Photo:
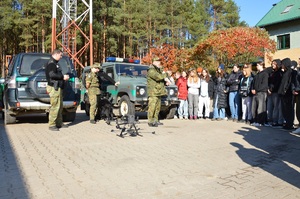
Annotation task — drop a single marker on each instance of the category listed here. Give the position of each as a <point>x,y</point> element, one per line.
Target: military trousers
<point>154,104</point>
<point>56,106</point>
<point>93,105</point>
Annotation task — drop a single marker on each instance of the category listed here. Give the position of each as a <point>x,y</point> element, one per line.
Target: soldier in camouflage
<point>156,80</point>
<point>93,81</point>
<point>55,87</point>
<point>93,86</point>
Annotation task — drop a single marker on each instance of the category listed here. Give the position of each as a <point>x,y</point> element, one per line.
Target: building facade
<point>283,24</point>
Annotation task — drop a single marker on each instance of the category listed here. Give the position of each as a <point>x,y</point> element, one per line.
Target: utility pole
<point>70,26</point>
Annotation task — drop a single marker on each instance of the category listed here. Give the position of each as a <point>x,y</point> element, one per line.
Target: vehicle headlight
<point>142,91</point>
<point>171,92</point>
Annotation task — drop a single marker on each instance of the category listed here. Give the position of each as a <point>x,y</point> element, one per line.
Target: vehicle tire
<point>8,118</point>
<point>69,116</point>
<point>126,106</point>
<point>169,113</point>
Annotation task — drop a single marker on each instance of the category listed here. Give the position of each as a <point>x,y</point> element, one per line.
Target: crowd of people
<point>266,97</point>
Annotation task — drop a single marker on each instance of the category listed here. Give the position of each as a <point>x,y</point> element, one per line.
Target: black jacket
<point>296,81</point>
<point>286,85</point>
<point>274,79</point>
<point>210,87</point>
<point>54,73</point>
<point>233,81</point>
<point>220,90</point>
<point>260,82</point>
<point>245,86</point>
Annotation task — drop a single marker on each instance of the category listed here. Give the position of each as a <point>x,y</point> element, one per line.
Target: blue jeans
<point>183,108</point>
<point>234,104</point>
<point>218,112</point>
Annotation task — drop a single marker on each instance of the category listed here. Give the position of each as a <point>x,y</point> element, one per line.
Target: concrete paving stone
<point>5,195</point>
<point>3,185</point>
<point>192,159</point>
<point>41,196</point>
<point>197,195</point>
<point>281,194</point>
<point>22,194</point>
<point>261,192</point>
<point>58,193</point>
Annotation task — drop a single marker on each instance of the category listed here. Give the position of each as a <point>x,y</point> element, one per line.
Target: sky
<point>252,11</point>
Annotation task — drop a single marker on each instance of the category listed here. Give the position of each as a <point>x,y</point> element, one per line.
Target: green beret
<point>96,65</point>
<point>156,58</point>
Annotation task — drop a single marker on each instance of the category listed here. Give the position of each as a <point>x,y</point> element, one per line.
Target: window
<point>131,70</point>
<point>110,72</point>
<point>283,42</point>
<point>287,9</point>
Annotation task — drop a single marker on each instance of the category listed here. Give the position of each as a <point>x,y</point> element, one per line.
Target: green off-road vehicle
<point>25,85</point>
<point>131,95</point>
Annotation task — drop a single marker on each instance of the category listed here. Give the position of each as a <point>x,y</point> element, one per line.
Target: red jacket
<point>182,88</point>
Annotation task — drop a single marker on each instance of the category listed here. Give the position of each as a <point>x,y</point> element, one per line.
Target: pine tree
<point>224,14</point>
<point>197,22</point>
<point>120,28</point>
<point>35,24</point>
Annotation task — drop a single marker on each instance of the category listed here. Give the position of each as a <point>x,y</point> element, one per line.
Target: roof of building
<point>285,10</point>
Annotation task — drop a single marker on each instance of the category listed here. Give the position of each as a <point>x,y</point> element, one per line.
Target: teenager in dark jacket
<point>220,94</point>
<point>233,82</point>
<point>286,94</point>
<point>259,90</point>
<point>275,117</point>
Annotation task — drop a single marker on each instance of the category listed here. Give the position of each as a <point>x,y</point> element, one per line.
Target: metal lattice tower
<point>70,27</point>
<point>68,37</point>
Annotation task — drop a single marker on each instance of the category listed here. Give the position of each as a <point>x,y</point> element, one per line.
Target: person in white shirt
<point>193,84</point>
<point>206,91</point>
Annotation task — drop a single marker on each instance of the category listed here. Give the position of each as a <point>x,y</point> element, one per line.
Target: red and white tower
<point>70,22</point>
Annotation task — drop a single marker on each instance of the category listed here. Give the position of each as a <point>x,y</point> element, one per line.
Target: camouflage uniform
<point>156,89</point>
<point>93,90</point>
<point>55,86</point>
<point>55,111</point>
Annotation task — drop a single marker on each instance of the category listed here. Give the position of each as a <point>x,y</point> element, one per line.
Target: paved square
<point>183,159</point>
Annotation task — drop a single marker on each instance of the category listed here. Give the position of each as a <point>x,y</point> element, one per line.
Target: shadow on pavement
<point>32,118</point>
<point>12,184</point>
<point>42,118</point>
<point>275,151</point>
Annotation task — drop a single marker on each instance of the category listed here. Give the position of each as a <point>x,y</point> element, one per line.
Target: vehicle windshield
<point>33,62</point>
<point>131,70</point>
